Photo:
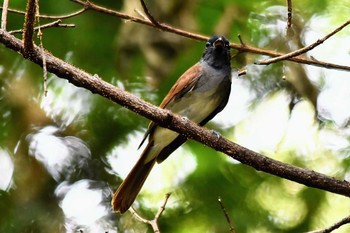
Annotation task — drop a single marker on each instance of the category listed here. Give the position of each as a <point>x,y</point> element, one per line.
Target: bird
<point>198,95</point>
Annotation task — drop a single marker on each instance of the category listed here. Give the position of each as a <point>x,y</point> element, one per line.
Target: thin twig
<point>289,14</point>
<point>303,50</point>
<point>289,31</point>
<point>40,36</point>
<point>140,13</point>
<point>63,16</point>
<point>161,26</point>
<point>241,48</point>
<point>154,222</point>
<point>241,40</point>
<point>56,23</point>
<point>228,220</point>
<point>137,216</point>
<point>333,227</point>
<point>14,11</point>
<point>149,15</point>
<point>5,7</point>
<point>49,16</point>
<point>162,207</point>
<point>28,28</point>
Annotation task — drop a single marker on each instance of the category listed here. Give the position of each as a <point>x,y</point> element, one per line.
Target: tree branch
<point>335,226</point>
<point>289,14</point>
<point>227,217</point>
<point>56,23</point>
<point>40,36</point>
<point>5,6</point>
<point>168,120</point>
<point>305,49</point>
<point>161,26</point>
<point>239,47</point>
<point>47,16</point>
<point>149,15</point>
<point>28,28</point>
<point>154,222</point>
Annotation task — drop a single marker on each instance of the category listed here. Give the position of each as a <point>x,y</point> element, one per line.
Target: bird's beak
<point>219,43</point>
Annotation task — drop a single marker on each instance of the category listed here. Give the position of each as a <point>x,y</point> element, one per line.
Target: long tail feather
<point>131,186</point>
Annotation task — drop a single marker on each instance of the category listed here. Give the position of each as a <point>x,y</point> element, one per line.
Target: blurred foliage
<point>60,155</point>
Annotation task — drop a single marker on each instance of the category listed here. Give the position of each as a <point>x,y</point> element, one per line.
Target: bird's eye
<point>207,44</point>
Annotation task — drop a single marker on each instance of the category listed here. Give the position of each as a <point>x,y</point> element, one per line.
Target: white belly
<point>200,107</point>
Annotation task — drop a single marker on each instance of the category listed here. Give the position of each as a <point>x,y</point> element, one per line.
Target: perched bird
<point>199,94</point>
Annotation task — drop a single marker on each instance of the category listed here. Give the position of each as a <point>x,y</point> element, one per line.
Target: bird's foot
<point>217,134</point>
<point>185,118</point>
<point>96,76</point>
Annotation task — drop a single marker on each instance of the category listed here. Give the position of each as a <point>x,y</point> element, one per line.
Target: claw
<point>217,134</point>
<point>96,76</point>
<point>185,118</point>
